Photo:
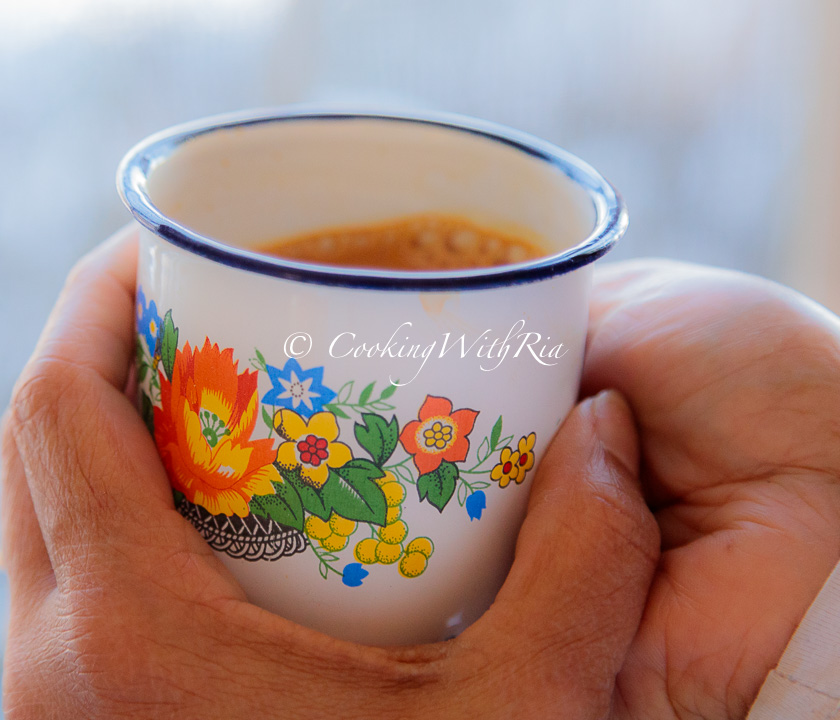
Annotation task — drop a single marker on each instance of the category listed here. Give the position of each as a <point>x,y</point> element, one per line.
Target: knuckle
<point>416,667</point>
<point>43,406</point>
<point>53,424</point>
<point>39,392</point>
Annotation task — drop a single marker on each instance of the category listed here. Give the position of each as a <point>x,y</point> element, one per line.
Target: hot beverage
<point>425,242</point>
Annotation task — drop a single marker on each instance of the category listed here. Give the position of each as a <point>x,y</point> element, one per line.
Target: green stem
<point>402,464</point>
<point>325,563</point>
<point>473,471</point>
<point>358,407</point>
<point>396,465</point>
<point>501,445</point>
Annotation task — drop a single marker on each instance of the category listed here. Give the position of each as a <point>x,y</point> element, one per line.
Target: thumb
<point>584,561</point>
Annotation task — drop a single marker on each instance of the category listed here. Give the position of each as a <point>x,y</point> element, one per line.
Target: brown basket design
<point>249,538</point>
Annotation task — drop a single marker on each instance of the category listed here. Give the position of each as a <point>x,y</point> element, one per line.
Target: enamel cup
<point>357,445</point>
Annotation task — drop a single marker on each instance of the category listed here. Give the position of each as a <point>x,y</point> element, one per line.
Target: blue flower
<point>148,320</point>
<point>475,505</point>
<point>353,574</point>
<point>297,389</point>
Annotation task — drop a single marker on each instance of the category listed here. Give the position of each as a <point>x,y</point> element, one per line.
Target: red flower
<point>438,434</point>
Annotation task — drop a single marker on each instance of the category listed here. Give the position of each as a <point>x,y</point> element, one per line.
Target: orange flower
<point>310,445</point>
<point>203,432</point>
<point>438,434</point>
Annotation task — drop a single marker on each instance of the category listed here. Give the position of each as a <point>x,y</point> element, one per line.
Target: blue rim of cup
<point>610,211</point>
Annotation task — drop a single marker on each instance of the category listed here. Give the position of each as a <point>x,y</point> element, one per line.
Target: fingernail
<point>615,429</point>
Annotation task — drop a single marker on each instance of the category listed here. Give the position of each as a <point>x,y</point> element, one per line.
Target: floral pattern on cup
<point>514,464</point>
<point>297,389</point>
<point>148,320</point>
<point>304,477</point>
<point>203,431</point>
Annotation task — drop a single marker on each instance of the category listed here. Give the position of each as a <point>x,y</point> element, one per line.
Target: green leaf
<point>266,416</point>
<point>142,371</point>
<point>483,450</point>
<point>350,491</point>
<point>388,391</point>
<point>177,497</point>
<point>168,344</point>
<point>438,486</point>
<point>462,494</point>
<point>323,569</point>
<point>378,436</point>
<point>403,473</point>
<point>366,393</point>
<point>310,498</point>
<point>139,353</point>
<point>284,507</point>
<point>359,465</point>
<point>260,358</point>
<point>495,434</point>
<point>147,412</point>
<point>344,392</point>
<point>335,410</point>
<point>381,406</point>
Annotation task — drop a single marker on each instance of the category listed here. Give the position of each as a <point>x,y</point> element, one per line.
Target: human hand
<point>735,385</point>
<point>120,610</point>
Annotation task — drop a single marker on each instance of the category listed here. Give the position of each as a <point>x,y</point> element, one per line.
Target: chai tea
<point>424,242</point>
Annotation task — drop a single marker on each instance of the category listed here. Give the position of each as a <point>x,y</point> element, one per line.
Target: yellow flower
<point>526,454</point>
<point>310,445</point>
<point>508,468</point>
<point>513,464</point>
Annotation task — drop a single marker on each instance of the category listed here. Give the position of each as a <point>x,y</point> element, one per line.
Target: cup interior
<point>248,185</point>
<point>224,187</point>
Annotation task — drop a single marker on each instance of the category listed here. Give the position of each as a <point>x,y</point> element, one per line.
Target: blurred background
<point>718,121</point>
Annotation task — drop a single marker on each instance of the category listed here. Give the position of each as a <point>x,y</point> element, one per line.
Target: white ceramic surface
<point>494,355</point>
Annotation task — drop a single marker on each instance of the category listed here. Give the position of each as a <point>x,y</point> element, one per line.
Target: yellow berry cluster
<point>390,546</point>
<point>332,535</point>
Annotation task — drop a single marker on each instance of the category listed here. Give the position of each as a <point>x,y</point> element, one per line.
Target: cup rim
<point>610,211</point>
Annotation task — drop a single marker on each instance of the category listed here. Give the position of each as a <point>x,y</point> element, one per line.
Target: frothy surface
<point>419,242</point>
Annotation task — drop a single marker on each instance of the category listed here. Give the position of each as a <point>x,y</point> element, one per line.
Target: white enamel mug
<point>357,445</point>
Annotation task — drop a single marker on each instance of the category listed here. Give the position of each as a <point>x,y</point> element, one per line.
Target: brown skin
<point>119,609</point>
<point>735,385</point>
